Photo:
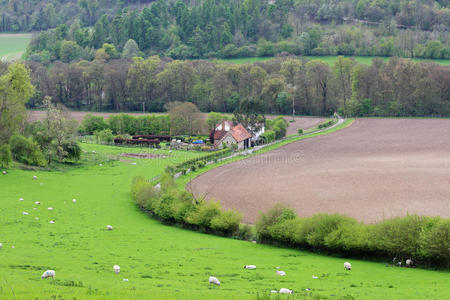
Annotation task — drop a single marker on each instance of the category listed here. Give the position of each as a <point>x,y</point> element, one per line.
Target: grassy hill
<point>12,46</point>
<point>159,261</point>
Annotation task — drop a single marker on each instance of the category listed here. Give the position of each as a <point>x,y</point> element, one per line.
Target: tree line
<point>245,28</point>
<point>396,88</point>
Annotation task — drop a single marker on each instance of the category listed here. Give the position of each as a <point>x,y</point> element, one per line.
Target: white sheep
<point>347,266</point>
<point>4,172</point>
<point>48,273</point>
<point>281,273</point>
<point>409,262</point>
<point>315,277</point>
<point>214,280</point>
<point>285,291</point>
<point>74,200</point>
<point>116,269</point>
<point>35,177</point>
<point>20,199</point>
<point>1,245</point>
<point>250,267</point>
<point>37,203</point>
<point>50,208</point>
<point>25,213</point>
<point>52,222</point>
<point>109,227</point>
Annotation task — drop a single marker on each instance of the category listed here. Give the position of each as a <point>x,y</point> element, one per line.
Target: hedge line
<point>173,206</point>
<point>202,159</point>
<point>424,239</point>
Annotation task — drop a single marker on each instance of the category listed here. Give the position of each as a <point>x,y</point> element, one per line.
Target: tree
<point>130,50</point>
<point>5,156</point>
<point>213,119</point>
<point>70,51</point>
<point>320,75</point>
<point>185,118</point>
<point>15,90</point>
<point>250,114</point>
<point>342,69</point>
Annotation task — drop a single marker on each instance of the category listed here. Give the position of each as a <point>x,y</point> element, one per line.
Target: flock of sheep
<point>212,280</point>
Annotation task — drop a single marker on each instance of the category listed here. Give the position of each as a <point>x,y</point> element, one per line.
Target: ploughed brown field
<point>374,169</point>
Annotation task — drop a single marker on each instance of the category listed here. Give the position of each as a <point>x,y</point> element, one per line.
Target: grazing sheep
<point>4,172</point>
<point>125,279</point>
<point>409,262</point>
<point>109,227</point>
<point>281,273</point>
<point>347,266</point>
<point>20,199</point>
<point>48,273</point>
<point>37,203</point>
<point>315,277</point>
<point>35,177</point>
<point>50,208</point>
<point>52,222</point>
<point>74,200</point>
<point>214,280</point>
<point>285,291</point>
<point>250,267</point>
<point>116,269</point>
<point>1,245</point>
<point>25,213</point>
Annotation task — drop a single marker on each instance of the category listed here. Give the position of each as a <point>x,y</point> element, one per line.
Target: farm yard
<point>374,169</point>
<point>158,260</point>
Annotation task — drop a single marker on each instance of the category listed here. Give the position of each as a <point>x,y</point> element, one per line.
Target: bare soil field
<point>300,122</point>
<point>374,169</point>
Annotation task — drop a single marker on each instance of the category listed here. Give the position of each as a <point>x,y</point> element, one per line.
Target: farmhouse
<point>226,133</point>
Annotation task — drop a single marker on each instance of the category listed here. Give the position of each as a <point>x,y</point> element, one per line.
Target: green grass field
<point>12,46</point>
<point>159,261</point>
<point>366,60</point>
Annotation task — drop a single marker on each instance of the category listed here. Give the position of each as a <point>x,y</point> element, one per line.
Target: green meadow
<point>159,261</point>
<point>365,60</point>
<point>12,46</point>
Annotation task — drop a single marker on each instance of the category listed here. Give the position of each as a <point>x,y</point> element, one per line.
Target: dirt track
<point>374,169</point>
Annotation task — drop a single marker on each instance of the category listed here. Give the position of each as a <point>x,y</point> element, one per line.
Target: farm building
<point>226,133</point>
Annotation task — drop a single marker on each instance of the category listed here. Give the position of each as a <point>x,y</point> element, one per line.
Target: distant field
<point>12,46</point>
<point>365,60</point>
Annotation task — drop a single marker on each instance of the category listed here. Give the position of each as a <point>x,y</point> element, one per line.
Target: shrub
<point>285,230</point>
<point>72,150</point>
<point>145,195</point>
<point>227,222</point>
<point>104,136</point>
<point>398,236</point>
<point>165,206</point>
<point>246,232</point>
<point>92,123</point>
<point>275,215</point>
<point>435,241</point>
<point>5,155</point>
<point>318,227</point>
<point>300,131</point>
<point>26,151</point>
<point>204,213</point>
<point>351,237</point>
<point>268,136</point>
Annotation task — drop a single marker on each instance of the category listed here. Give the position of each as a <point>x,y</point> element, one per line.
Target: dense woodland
<point>222,28</point>
<point>396,88</point>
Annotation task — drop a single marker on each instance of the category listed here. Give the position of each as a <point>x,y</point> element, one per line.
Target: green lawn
<point>160,262</point>
<point>366,60</point>
<point>12,46</point>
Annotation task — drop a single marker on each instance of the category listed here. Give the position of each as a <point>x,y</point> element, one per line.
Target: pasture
<point>374,169</point>
<point>12,46</point>
<point>159,261</point>
<point>365,60</point>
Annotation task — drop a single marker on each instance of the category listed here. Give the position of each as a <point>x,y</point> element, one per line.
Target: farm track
<point>375,169</point>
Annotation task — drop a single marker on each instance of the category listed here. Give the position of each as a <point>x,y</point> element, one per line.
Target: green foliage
<point>268,136</point>
<point>213,119</point>
<point>273,216</point>
<point>204,213</point>
<point>26,151</point>
<point>5,155</point>
<point>92,123</point>
<point>300,131</point>
<point>104,136</point>
<point>72,150</point>
<point>435,240</point>
<point>227,222</point>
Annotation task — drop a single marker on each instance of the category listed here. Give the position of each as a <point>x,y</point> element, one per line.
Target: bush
<point>72,150</point>
<point>275,215</point>
<point>104,136</point>
<point>92,123</point>
<point>435,241</point>
<point>326,124</point>
<point>204,213</point>
<point>26,151</point>
<point>348,237</point>
<point>300,131</point>
<point>227,222</point>
<point>5,155</point>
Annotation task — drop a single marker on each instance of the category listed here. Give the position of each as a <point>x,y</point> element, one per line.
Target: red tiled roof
<point>219,134</point>
<point>239,133</point>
